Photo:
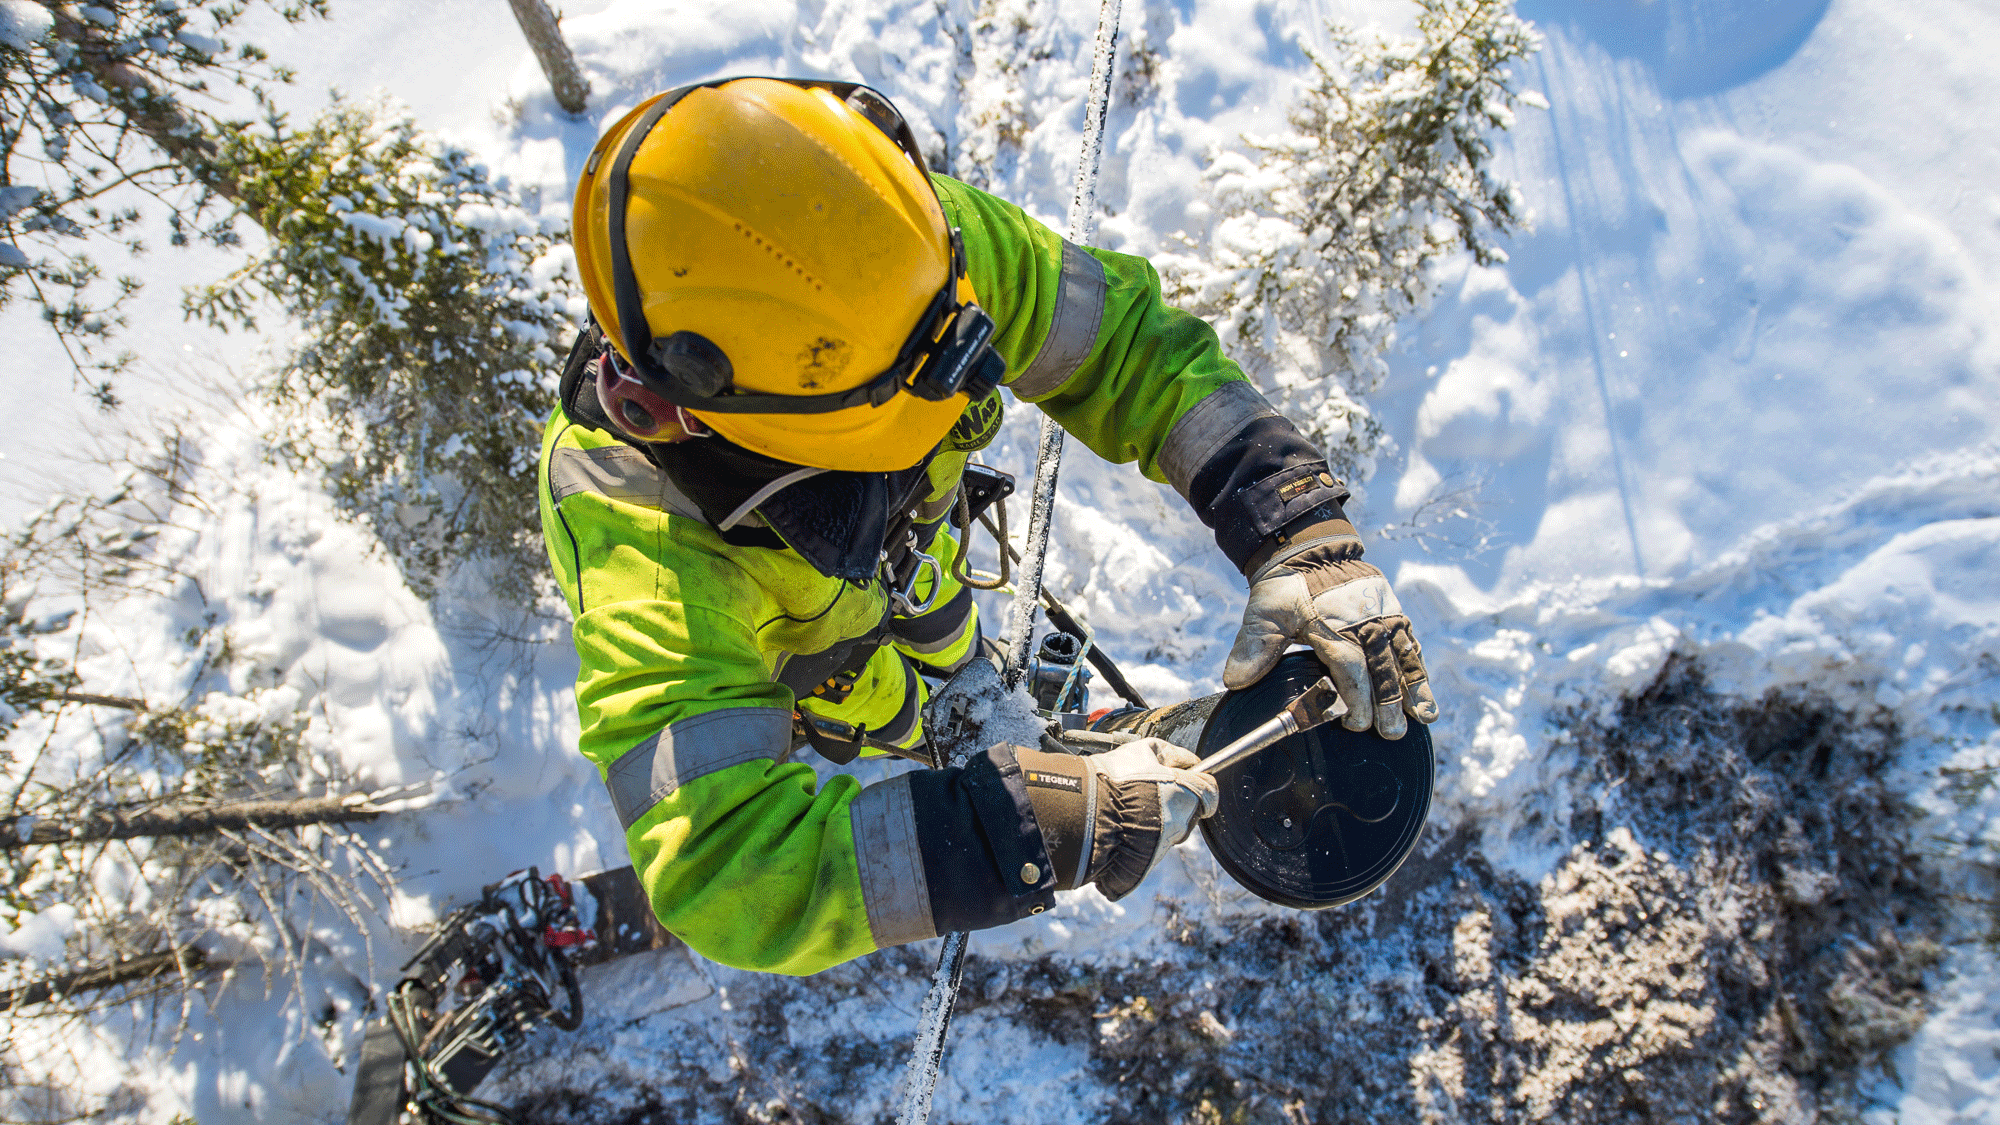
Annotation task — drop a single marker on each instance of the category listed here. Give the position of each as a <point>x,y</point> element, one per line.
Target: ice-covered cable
<point>1048,453</point>
<point>1083,205</point>
<point>927,1059</point>
<point>934,1021</point>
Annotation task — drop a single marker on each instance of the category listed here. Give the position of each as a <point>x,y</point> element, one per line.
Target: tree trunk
<point>187,820</point>
<point>539,25</point>
<point>186,959</point>
<point>150,110</point>
<point>124,702</point>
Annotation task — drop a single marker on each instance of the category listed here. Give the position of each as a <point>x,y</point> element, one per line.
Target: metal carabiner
<point>900,599</point>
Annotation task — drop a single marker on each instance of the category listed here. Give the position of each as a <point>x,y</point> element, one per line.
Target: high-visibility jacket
<point>686,639</point>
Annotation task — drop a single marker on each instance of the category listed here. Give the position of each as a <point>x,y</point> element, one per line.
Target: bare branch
<point>183,961</point>
<point>119,701</point>
<point>189,820</point>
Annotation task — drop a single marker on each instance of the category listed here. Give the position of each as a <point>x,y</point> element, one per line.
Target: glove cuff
<point>1063,790</point>
<point>1246,470</point>
<point>1310,531</point>
<point>1099,828</point>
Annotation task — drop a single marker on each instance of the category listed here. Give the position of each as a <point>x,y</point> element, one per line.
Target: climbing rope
<point>934,1019</point>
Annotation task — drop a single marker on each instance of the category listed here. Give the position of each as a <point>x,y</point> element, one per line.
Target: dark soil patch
<point>1737,933</point>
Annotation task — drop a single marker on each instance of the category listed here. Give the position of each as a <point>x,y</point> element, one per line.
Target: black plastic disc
<point>1321,818</point>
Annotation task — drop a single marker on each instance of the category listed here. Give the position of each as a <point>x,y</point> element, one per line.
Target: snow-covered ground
<point>1730,404</point>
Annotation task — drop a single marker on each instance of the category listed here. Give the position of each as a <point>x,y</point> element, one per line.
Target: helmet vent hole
<point>780,255</point>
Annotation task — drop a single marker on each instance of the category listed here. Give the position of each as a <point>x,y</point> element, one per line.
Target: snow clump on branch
<point>1325,236</point>
<point>434,301</point>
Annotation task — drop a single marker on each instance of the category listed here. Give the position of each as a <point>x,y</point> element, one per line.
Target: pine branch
<point>148,108</point>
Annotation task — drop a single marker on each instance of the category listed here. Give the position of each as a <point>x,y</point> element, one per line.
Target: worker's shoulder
<point>613,494</point>
<point>1001,240</point>
<point>561,431</point>
<point>581,460</point>
<point>969,207</point>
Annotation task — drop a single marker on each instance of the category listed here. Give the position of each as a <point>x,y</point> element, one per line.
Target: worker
<point>798,340</point>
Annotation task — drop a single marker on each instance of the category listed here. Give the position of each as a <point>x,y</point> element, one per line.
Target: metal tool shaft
<point>1314,706</point>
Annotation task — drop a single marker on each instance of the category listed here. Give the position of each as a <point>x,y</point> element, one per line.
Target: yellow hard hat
<point>769,255</point>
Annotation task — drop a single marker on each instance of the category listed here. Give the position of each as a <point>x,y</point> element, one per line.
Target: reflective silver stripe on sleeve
<point>622,473</point>
<point>1073,332</point>
<point>892,866</point>
<point>1206,428</point>
<point>693,748</point>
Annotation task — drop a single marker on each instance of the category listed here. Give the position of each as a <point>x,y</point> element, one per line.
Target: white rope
<point>1048,453</point>
<point>934,1019</point>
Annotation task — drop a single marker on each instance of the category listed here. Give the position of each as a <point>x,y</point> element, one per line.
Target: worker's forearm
<point>755,866</point>
<point>1089,338</point>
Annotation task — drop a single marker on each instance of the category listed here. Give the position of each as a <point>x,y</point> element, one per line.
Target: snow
<point>1733,399</point>
<point>42,935</point>
<point>200,44</point>
<point>23,22</point>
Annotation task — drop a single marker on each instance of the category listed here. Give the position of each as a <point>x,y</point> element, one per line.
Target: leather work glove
<point>1322,595</point>
<point>1109,818</point>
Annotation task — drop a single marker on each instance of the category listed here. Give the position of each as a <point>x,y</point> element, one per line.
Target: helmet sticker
<point>976,427</point>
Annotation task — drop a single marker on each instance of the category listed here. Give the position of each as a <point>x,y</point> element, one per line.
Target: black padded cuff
<point>1264,477</point>
<point>978,835</point>
<point>1252,515</point>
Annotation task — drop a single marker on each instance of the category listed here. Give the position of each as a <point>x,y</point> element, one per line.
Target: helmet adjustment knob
<point>694,362</point>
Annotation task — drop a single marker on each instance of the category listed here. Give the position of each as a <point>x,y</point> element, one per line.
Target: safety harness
<point>854,526</point>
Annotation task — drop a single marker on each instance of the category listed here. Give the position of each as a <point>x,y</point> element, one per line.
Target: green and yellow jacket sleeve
<point>1088,338</point>
<point>682,635</point>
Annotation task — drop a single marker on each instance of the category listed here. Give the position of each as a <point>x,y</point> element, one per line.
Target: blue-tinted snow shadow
<point>1209,86</point>
<point>728,40</point>
<point>1695,47</point>
<point>1497,466</point>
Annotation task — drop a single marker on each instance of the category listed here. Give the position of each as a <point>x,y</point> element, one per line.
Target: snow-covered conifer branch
<point>1326,234</point>
<point>433,302</point>
<point>96,117</point>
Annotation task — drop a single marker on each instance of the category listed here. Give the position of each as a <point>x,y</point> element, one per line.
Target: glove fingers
<point>1419,701</point>
<point>1348,667</point>
<point>1205,788</point>
<point>1389,720</point>
<point>1384,675</point>
<point>1421,704</point>
<point>1135,761</point>
<point>1179,757</point>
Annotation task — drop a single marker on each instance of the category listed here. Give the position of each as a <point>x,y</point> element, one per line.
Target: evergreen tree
<point>432,302</point>
<point>99,110</point>
<point>1326,234</point>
